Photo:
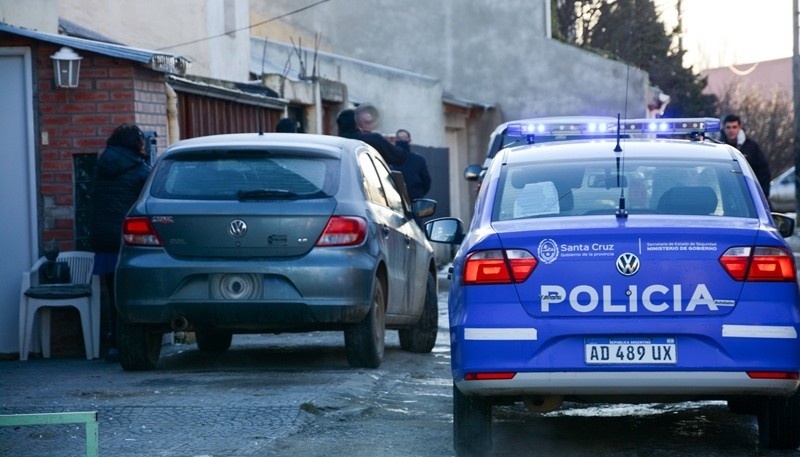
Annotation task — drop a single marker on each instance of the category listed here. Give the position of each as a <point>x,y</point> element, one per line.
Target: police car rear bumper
<point>628,383</point>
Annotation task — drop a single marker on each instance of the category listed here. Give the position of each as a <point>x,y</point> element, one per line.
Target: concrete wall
<point>39,15</point>
<point>494,52</point>
<point>195,29</point>
<point>404,99</point>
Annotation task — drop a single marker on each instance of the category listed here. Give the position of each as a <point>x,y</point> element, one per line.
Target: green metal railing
<point>88,418</point>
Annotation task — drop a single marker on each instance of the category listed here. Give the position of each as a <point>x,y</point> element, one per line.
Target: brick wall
<point>78,121</point>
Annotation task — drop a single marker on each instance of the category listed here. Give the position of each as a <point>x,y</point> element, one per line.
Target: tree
<point>632,30</point>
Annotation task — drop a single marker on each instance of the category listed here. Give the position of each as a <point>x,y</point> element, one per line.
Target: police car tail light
<point>137,231</point>
<point>499,266</point>
<point>761,263</point>
<point>773,375</point>
<point>343,231</point>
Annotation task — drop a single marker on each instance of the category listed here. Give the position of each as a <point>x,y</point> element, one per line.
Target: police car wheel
<point>214,341</point>
<point>422,336</point>
<point>139,345</point>
<point>779,422</point>
<point>364,342</point>
<point>472,424</point>
<point>743,406</point>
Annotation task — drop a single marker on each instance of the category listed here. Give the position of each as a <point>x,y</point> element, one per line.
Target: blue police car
<point>636,268</point>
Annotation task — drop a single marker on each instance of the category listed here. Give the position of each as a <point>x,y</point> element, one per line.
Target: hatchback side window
<point>370,180</point>
<point>389,189</point>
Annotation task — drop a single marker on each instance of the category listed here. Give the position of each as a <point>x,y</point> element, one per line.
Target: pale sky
<point>730,32</point>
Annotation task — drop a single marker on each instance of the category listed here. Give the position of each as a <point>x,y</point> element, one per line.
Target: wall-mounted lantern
<point>67,66</point>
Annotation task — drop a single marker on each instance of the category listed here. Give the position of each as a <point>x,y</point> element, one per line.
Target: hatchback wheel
<point>364,341</point>
<point>139,345</point>
<point>472,424</point>
<point>422,336</point>
<point>779,422</point>
<point>213,341</point>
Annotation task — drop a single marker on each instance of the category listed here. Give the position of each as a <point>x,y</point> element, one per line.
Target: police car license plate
<point>630,351</point>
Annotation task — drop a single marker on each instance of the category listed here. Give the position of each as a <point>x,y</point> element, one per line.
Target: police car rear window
<point>668,187</point>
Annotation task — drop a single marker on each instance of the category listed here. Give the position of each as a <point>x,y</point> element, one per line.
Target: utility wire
<point>244,28</point>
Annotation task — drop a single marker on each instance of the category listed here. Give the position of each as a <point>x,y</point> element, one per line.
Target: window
<point>371,181</point>
<point>679,187</point>
<point>223,176</point>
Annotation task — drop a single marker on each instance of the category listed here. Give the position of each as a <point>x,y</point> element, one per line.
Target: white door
<point>18,245</point>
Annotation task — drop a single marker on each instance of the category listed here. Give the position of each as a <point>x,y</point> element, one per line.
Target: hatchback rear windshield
<point>678,187</point>
<point>245,176</point>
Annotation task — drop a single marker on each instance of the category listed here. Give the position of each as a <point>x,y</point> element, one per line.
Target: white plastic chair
<point>83,293</point>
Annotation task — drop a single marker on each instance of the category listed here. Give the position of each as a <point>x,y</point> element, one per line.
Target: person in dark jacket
<point>349,128</point>
<point>735,136</point>
<point>414,168</point>
<point>120,174</point>
<point>286,125</point>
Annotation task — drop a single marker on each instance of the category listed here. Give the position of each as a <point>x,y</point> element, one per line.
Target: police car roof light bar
<point>664,127</point>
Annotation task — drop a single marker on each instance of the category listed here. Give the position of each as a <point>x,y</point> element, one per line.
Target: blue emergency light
<point>678,126</point>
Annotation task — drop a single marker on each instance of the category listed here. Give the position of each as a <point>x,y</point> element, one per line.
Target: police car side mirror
<point>448,230</point>
<point>784,224</point>
<point>472,172</point>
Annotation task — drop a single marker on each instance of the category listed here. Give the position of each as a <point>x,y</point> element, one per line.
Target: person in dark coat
<point>120,174</point>
<point>735,136</point>
<point>286,125</point>
<point>414,168</point>
<point>348,128</point>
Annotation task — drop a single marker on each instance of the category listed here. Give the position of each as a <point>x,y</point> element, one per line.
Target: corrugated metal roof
<point>158,61</point>
<point>253,95</point>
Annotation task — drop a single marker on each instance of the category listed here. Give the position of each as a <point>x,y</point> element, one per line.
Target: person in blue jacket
<point>120,174</point>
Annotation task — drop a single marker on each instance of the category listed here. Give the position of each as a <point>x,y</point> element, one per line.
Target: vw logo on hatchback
<point>237,228</point>
<point>628,264</point>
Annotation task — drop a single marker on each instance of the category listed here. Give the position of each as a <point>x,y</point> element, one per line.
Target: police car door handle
<point>385,229</point>
<point>408,240</point>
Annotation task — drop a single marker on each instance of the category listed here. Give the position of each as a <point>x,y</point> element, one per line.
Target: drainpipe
<point>173,130</point>
<point>317,107</point>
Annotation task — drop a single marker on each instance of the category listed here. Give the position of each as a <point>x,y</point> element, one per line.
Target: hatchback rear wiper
<point>265,194</point>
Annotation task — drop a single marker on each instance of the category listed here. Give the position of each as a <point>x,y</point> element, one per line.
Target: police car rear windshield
<point>593,187</point>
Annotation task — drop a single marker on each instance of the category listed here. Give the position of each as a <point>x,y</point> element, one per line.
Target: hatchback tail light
<point>343,231</point>
<point>499,266</point>
<point>138,231</point>
<point>761,263</point>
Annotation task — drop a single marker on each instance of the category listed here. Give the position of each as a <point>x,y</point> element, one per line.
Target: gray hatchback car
<point>270,233</point>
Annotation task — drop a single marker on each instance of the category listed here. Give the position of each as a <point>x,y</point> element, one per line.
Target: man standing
<point>734,136</point>
<point>358,124</point>
<point>414,168</point>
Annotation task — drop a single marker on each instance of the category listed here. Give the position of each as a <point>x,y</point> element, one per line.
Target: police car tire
<point>779,422</point>
<point>139,345</point>
<point>472,424</point>
<point>743,406</point>
<point>364,342</point>
<point>213,341</point>
<point>422,336</point>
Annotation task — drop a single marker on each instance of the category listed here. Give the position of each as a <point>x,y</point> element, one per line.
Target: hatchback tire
<point>472,424</point>
<point>213,341</point>
<point>422,336</point>
<point>779,422</point>
<point>139,345</point>
<point>364,341</point>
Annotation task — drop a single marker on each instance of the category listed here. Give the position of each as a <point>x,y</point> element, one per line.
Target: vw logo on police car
<point>237,228</point>
<point>627,264</point>
<point>548,250</point>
